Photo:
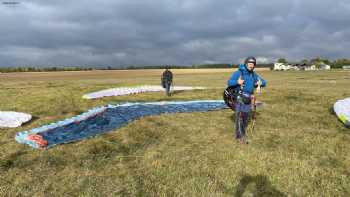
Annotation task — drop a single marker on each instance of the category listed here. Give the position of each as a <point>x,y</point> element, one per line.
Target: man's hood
<point>243,68</point>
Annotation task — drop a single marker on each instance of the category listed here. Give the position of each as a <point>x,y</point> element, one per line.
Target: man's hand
<point>259,83</point>
<point>258,89</point>
<point>240,81</point>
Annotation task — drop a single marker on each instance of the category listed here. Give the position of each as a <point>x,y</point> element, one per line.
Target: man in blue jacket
<point>245,80</point>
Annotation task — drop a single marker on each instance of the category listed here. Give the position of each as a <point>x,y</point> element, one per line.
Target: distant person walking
<point>244,80</point>
<point>167,80</point>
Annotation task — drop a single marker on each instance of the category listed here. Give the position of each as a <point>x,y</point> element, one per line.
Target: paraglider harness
<point>235,94</point>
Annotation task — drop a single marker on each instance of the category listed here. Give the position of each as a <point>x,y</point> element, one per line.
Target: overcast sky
<point>180,32</point>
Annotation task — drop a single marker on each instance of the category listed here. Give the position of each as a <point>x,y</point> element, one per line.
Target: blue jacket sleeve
<point>233,80</point>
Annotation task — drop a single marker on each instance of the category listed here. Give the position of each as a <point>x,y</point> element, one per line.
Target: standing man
<point>244,80</point>
<point>167,80</point>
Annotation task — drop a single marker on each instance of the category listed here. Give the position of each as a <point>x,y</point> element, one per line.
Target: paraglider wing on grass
<point>342,110</point>
<point>105,119</point>
<point>133,90</point>
<point>10,119</point>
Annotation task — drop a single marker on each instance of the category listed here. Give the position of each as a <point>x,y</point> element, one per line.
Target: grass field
<point>298,148</point>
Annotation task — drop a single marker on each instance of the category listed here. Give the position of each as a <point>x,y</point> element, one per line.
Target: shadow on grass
<point>10,161</point>
<point>176,92</point>
<point>331,110</point>
<point>34,118</point>
<point>262,187</point>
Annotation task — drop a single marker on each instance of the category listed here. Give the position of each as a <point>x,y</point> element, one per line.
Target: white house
<point>312,67</point>
<point>300,66</point>
<point>325,67</point>
<point>281,66</point>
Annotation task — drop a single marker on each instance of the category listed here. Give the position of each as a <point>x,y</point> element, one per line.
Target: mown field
<point>298,148</point>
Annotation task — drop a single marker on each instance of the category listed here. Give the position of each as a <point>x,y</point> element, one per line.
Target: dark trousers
<point>167,88</point>
<point>241,120</point>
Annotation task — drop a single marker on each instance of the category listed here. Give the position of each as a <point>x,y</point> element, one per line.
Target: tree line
<point>42,69</point>
<point>84,68</point>
<point>339,63</point>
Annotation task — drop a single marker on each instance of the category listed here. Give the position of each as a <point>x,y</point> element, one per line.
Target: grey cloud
<point>149,32</point>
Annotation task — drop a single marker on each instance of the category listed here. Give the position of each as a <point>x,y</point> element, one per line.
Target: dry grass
<point>102,74</point>
<point>299,148</point>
